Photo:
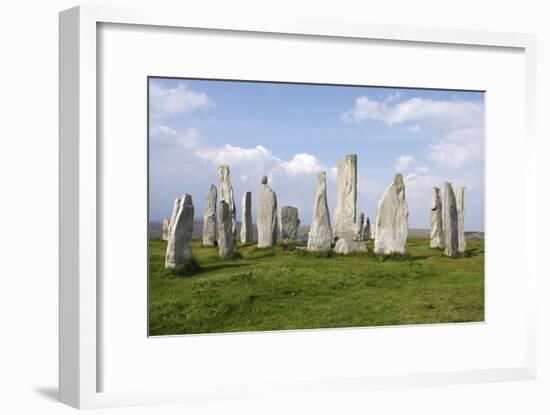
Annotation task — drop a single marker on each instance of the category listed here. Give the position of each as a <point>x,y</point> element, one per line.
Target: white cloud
<point>458,148</point>
<point>413,129</point>
<point>166,102</point>
<point>366,109</point>
<point>461,122</point>
<point>402,163</point>
<point>302,163</point>
<point>189,138</point>
<point>452,113</point>
<point>393,96</point>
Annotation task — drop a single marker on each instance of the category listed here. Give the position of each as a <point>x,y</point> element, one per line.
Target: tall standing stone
<point>209,226</point>
<point>226,193</point>
<point>392,224</point>
<point>451,221</point>
<point>179,243</point>
<point>320,232</point>
<point>289,223</point>
<point>175,210</point>
<point>460,213</point>
<point>246,221</point>
<point>346,202</point>
<point>226,245</point>
<point>437,235</point>
<point>165,229</point>
<point>266,219</point>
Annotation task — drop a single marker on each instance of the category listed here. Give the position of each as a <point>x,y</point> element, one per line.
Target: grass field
<point>284,287</point>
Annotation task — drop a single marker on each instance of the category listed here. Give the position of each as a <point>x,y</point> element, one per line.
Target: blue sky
<point>290,132</point>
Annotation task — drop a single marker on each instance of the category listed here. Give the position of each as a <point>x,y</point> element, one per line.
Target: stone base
<point>346,246</point>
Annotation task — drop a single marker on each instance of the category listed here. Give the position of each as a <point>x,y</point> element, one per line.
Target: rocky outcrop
<point>320,232</point>
<point>392,224</point>
<point>209,226</point>
<point>179,243</point>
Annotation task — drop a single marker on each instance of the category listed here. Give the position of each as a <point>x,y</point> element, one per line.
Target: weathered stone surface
<point>246,220</point>
<point>320,232</point>
<point>179,243</point>
<point>165,229</point>
<point>266,219</point>
<point>360,228</point>
<point>451,221</point>
<point>210,226</point>
<point>346,246</point>
<point>373,230</point>
<point>226,244</point>
<point>392,224</point>
<point>460,214</point>
<point>437,235</point>
<point>175,210</point>
<point>226,193</point>
<point>367,231</point>
<point>289,223</point>
<point>346,202</point>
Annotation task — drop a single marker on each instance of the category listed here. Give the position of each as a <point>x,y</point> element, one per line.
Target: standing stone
<point>266,219</point>
<point>175,210</point>
<point>368,230</point>
<point>392,225</point>
<point>246,221</point>
<point>320,232</point>
<point>209,226</point>
<point>226,193</point>
<point>346,246</point>
<point>344,214</point>
<point>360,228</point>
<point>451,222</point>
<point>460,213</point>
<point>181,234</point>
<point>437,235</point>
<point>165,229</point>
<point>226,246</point>
<point>289,223</point>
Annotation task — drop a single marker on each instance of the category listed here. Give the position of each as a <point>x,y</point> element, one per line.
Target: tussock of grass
<point>287,287</point>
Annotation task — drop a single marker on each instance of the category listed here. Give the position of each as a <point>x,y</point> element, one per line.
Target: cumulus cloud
<point>461,121</point>
<point>458,148</point>
<point>188,138</point>
<point>167,102</point>
<point>452,113</point>
<point>403,163</point>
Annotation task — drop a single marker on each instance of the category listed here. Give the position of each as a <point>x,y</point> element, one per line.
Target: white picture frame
<point>79,164</point>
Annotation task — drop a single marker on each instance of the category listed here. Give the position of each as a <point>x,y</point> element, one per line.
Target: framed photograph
<point>302,207</point>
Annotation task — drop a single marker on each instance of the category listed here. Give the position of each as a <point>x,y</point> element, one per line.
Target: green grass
<point>284,287</point>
